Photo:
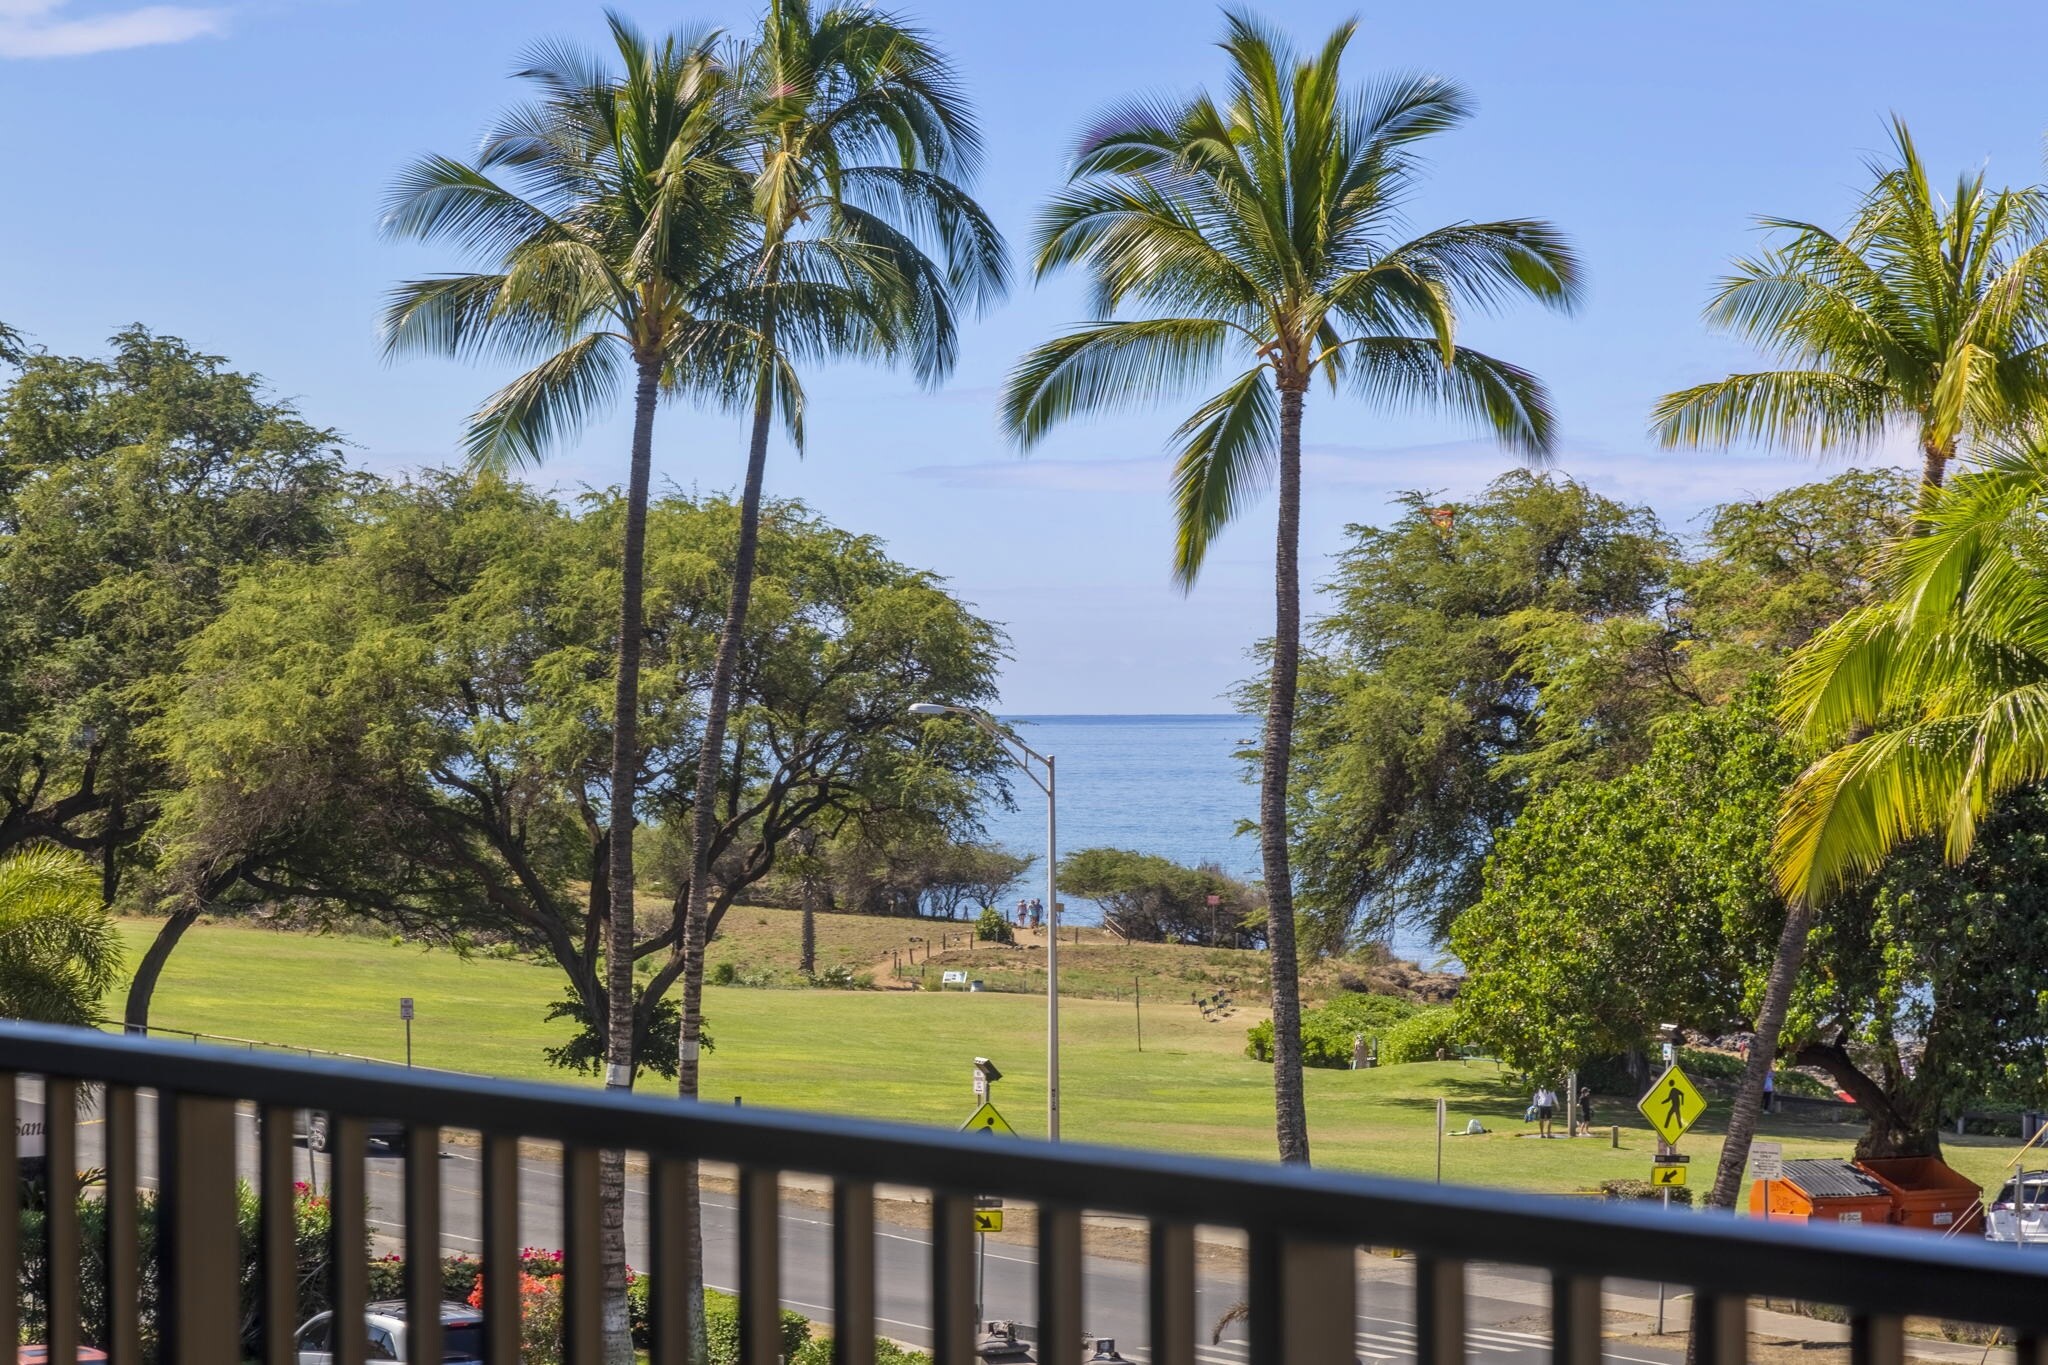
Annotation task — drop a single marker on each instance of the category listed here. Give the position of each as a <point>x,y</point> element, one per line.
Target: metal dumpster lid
<point>1832,1178</point>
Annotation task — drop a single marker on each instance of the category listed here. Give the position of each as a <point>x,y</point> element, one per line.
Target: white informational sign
<point>980,1084</point>
<point>28,1128</point>
<point>405,1007</point>
<point>1670,1054</point>
<point>1767,1160</point>
<point>952,978</point>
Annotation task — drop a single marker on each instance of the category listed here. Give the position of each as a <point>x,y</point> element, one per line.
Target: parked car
<point>462,1335</point>
<point>2020,1213</point>
<point>310,1127</point>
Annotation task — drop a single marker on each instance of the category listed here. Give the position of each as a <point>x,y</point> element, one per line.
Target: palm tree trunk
<point>619,942</point>
<point>1934,463</point>
<point>1290,1112</point>
<point>1749,1091</point>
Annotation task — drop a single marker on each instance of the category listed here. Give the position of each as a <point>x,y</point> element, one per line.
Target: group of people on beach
<point>1030,913</point>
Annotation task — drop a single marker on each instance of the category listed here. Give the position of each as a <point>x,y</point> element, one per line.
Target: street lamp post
<point>1022,754</point>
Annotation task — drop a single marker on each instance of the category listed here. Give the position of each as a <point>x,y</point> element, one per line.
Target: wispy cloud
<point>51,28</point>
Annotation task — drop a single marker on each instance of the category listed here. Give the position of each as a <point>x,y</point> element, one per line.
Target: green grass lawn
<point>907,1055</point>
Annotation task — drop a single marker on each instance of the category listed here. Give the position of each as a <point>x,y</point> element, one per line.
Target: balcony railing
<point>1303,1228</point>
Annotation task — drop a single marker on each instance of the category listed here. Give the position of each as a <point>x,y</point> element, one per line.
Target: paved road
<point>1503,1302</point>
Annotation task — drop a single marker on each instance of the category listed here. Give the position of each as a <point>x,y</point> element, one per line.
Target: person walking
<point>1544,1102</point>
<point>1585,1111</point>
<point>1770,1093</point>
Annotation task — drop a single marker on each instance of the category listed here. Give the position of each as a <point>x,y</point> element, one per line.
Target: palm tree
<point>1941,686</point>
<point>859,143</point>
<point>59,949</point>
<point>604,208</point>
<point>1922,313</point>
<point>1265,228</point>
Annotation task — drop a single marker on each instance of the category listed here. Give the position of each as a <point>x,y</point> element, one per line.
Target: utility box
<point>1927,1194</point>
<point>1822,1190</point>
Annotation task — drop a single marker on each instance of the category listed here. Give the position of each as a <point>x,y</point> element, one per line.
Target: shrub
<point>1420,1036</point>
<point>991,927</point>
<point>725,973</point>
<point>1327,1031</point>
<point>1642,1189</point>
<point>722,1329</point>
<point>818,1351</point>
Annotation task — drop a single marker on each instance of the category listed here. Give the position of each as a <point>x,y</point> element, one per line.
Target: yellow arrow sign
<point>988,1220</point>
<point>1673,1105</point>
<point>987,1120</point>
<point>1667,1175</point>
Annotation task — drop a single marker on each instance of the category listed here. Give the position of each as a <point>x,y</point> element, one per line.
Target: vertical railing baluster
<point>1170,1294</point>
<point>853,1272</point>
<point>1059,1283</point>
<point>953,1301</point>
<point>423,1241</point>
<point>10,1214</point>
<point>348,1260</point>
<point>1877,1339</point>
<point>582,1258</point>
<point>1439,1311</point>
<point>60,1217</point>
<point>123,1249</point>
<point>1575,1321</point>
<point>1721,1324</point>
<point>760,1267</point>
<point>2031,1349</point>
<point>277,1234</point>
<point>501,1249</point>
<point>198,1294</point>
<point>671,1316</point>
<point>1303,1301</point>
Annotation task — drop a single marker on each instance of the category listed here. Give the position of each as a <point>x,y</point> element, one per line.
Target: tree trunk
<point>1749,1091</point>
<point>1934,463</point>
<point>1903,1121</point>
<point>619,941</point>
<point>135,1018</point>
<point>1290,1112</point>
<point>808,966</point>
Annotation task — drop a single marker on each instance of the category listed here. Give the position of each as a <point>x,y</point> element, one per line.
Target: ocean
<point>1170,785</point>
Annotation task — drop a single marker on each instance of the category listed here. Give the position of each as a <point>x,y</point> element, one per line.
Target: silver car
<point>462,1335</point>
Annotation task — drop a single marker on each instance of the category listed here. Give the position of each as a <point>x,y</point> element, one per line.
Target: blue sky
<point>215,170</point>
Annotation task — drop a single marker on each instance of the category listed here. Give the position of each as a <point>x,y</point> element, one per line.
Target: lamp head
<point>930,708</point>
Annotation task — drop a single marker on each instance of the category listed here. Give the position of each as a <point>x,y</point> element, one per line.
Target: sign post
<point>1768,1162</point>
<point>1673,1105</point>
<point>405,1013</point>
<point>988,1209</point>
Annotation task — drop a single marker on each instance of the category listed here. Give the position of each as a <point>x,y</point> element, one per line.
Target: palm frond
<point>1223,454</point>
<point>1813,409</point>
<point>521,422</point>
<point>1092,368</point>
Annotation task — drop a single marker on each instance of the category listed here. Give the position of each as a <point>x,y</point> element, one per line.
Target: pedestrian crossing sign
<point>987,1121</point>
<point>1667,1176</point>
<point>1672,1106</point>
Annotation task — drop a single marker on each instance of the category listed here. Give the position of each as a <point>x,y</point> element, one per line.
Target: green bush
<point>1327,1031</point>
<point>991,927</point>
<point>722,1329</point>
<point>818,1351</point>
<point>725,973</point>
<point>1626,1190</point>
<point>1420,1036</point>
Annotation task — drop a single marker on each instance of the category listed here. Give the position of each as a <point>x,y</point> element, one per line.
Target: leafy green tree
<point>59,949</point>
<point>1425,703</point>
<point>1267,228</point>
<point>1923,312</point>
<point>13,346</point>
<point>858,141</point>
<point>134,489</point>
<point>1149,899</point>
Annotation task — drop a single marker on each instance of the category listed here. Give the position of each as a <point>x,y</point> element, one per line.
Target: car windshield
<point>462,1341</point>
<point>2035,1192</point>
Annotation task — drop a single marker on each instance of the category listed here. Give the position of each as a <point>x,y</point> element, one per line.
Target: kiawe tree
<point>1265,229</point>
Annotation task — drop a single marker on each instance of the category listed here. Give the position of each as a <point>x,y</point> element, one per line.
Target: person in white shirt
<point>1545,1104</point>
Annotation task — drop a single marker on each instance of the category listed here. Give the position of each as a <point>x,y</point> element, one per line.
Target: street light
<point>1022,754</point>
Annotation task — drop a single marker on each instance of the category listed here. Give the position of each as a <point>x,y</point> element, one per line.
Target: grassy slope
<point>906,1056</point>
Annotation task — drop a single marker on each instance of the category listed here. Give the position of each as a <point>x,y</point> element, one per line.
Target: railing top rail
<point>1876,1271</point>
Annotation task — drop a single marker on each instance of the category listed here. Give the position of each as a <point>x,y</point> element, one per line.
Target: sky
<point>215,170</point>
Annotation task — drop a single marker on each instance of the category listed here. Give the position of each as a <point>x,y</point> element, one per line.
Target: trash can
<point>1822,1190</point>
<point>1926,1193</point>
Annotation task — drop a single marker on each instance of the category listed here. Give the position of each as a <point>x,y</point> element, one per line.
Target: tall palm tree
<point>859,143</point>
<point>1264,230</point>
<point>603,208</point>
<point>59,949</point>
<point>1941,686</point>
<point>1923,313</point>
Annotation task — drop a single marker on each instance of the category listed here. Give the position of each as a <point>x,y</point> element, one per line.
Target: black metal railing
<point>1303,1227</point>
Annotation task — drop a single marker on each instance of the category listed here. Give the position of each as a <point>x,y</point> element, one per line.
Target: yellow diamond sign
<point>987,1120</point>
<point>1667,1175</point>
<point>1673,1105</point>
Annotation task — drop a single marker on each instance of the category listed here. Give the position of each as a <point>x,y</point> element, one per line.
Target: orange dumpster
<point>1926,1193</point>
<point>1822,1190</point>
